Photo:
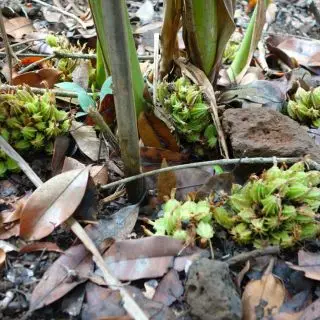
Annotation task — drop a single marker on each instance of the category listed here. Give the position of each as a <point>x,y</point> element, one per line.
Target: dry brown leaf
<point>142,258</point>
<point>44,78</point>
<point>18,27</point>
<point>263,297</point>
<point>147,133</point>
<point>87,141</point>
<point>71,269</point>
<point>41,246</point>
<point>163,132</point>
<point>312,312</point>
<point>53,203</point>
<point>2,258</point>
<point>169,289</point>
<point>61,145</point>
<point>309,263</point>
<point>166,182</point>
<point>9,230</point>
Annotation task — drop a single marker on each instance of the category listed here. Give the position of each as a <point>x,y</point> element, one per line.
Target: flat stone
<point>261,132</point>
<point>211,293</point>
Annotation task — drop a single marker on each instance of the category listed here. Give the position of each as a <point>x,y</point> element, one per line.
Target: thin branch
<point>58,93</point>
<point>220,162</point>
<point>70,55</point>
<point>129,304</point>
<point>35,64</point>
<point>243,257</point>
<point>9,52</point>
<point>21,43</point>
<point>68,14</point>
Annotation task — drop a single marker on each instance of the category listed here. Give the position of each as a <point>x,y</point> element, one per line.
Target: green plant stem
<point>101,69</point>
<point>115,27</point>
<point>137,79</point>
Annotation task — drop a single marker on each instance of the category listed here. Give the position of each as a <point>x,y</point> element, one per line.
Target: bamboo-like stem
<point>117,33</point>
<point>221,162</point>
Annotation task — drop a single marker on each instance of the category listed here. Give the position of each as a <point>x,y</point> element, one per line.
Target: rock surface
<point>211,293</point>
<point>263,132</point>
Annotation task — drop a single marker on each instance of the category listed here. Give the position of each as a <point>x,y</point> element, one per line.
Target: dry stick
<point>69,55</point>
<point>221,162</point>
<point>9,52</point>
<point>58,93</point>
<point>129,303</point>
<point>155,66</point>
<point>243,257</point>
<point>35,64</point>
<point>98,119</point>
<point>68,14</point>
<point>21,43</point>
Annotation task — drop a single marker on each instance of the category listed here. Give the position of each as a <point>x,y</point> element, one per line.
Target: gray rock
<point>211,293</point>
<point>260,132</point>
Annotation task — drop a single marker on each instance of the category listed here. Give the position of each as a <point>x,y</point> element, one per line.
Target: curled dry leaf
<point>309,263</point>
<point>166,182</point>
<point>41,246</point>
<point>64,274</point>
<point>18,27</point>
<point>86,139</point>
<point>53,203</point>
<point>263,297</point>
<point>44,78</point>
<point>2,258</point>
<point>9,230</point>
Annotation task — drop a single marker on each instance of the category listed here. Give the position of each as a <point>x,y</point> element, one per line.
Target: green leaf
<point>106,88</point>
<point>85,101</point>
<point>217,169</point>
<point>205,230</point>
<point>71,86</point>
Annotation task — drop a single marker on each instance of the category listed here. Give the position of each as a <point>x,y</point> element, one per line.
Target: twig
<point>69,55</point>
<point>68,14</point>
<point>220,162</point>
<point>114,196</point>
<point>129,303</point>
<point>156,66</point>
<point>58,93</point>
<point>34,64</point>
<point>243,257</point>
<point>98,119</point>
<point>9,52</point>
<point>5,146</point>
<point>21,43</point>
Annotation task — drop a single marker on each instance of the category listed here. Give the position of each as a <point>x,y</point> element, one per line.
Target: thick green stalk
<point>200,32</point>
<point>137,79</point>
<point>249,43</point>
<point>101,70</point>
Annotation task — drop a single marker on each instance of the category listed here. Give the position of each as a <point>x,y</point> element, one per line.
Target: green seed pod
<point>313,194</point>
<point>303,113</point>
<point>52,130</point>
<point>316,123</point>
<point>52,40</point>
<point>313,177</point>
<point>271,205</point>
<point>315,96</point>
<point>282,238</point>
<point>3,168</point>
<point>241,233</point>
<point>258,226</point>
<point>199,111</point>
<point>257,190</point>
<point>37,117</point>
<point>162,92</point>
<point>5,134</point>
<point>303,97</point>
<point>205,230</point>
<point>41,126</point>
<point>273,173</point>
<point>32,107</point>
<point>272,222</point>
<point>223,217</point>
<point>22,145</point>
<point>3,155</point>
<point>24,96</point>
<point>38,141</point>
<point>28,132</point>
<point>65,126</point>
<point>309,231</point>
<point>180,235</point>
<point>239,202</point>
<point>292,109</point>
<point>12,165</point>
<point>193,96</point>
<point>16,134</point>
<point>288,212</point>
<point>49,148</point>
<point>297,191</point>
<point>247,215</point>
<point>60,115</point>
<point>13,123</point>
